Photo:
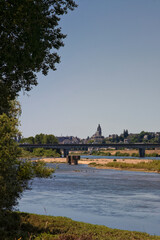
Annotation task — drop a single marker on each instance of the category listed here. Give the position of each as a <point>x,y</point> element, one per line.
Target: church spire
<point>99,130</point>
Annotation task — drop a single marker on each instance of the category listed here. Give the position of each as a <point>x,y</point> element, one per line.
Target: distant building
<point>68,140</point>
<point>97,137</point>
<point>145,137</point>
<point>126,140</point>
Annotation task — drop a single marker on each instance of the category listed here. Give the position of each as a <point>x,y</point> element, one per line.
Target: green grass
<point>18,226</point>
<point>147,166</point>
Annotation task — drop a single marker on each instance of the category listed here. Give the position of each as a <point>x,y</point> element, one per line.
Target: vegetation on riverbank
<point>122,153</point>
<point>15,175</point>
<point>147,166</point>
<point>31,226</point>
<point>39,152</point>
<point>40,139</point>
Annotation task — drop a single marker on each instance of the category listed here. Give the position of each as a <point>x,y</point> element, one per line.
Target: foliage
<point>40,152</point>
<point>40,170</point>
<point>152,155</point>
<point>31,226</point>
<point>152,165</point>
<point>149,166</point>
<point>14,173</point>
<point>30,37</point>
<point>118,153</point>
<point>29,140</point>
<point>146,155</point>
<point>8,162</point>
<point>24,154</point>
<point>116,139</point>
<point>107,154</point>
<point>142,137</point>
<point>101,153</point>
<point>135,155</point>
<point>41,139</point>
<point>51,153</point>
<point>125,133</point>
<point>122,154</point>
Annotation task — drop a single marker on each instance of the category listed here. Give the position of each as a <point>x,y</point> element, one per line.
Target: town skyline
<point>97,137</point>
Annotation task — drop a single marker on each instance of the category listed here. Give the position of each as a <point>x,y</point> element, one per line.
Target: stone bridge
<point>84,147</point>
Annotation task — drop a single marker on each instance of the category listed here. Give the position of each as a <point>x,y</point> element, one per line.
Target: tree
<point>39,138</point>
<point>50,139</point>
<point>125,133</point>
<point>141,136</point>
<point>29,140</point>
<point>14,173</point>
<point>29,39</point>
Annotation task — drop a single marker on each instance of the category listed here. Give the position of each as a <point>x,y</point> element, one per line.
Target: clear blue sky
<point>109,73</point>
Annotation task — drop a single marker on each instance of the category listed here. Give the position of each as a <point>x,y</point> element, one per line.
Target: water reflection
<point>118,199</point>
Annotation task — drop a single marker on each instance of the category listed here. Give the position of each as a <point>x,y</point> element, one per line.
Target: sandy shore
<point>98,161</point>
<point>102,161</point>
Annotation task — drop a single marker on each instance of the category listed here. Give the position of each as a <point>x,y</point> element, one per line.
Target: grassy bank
<point>26,226</point>
<point>125,153</point>
<point>142,166</point>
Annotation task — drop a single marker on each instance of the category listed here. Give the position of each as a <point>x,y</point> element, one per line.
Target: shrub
<point>14,173</point>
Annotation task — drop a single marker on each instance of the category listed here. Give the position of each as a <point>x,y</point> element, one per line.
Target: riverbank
<point>97,160</point>
<point>120,152</point>
<point>31,226</point>
<point>144,165</point>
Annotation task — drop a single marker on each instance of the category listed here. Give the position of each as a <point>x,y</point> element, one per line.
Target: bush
<point>38,152</point>
<point>135,155</point>
<point>152,155</point>
<point>14,173</point>
<point>107,154</point>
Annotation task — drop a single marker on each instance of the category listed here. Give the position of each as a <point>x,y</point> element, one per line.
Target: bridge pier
<point>65,152</point>
<point>68,159</point>
<point>142,152</point>
<point>72,160</point>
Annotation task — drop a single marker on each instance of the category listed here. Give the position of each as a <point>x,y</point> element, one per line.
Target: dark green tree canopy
<point>41,139</point>
<point>15,173</point>
<point>29,39</point>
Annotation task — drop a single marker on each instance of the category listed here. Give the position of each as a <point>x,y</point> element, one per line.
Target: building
<point>97,137</point>
<point>68,140</point>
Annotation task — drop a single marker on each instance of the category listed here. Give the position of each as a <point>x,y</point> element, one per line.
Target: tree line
<point>142,137</point>
<point>40,139</point>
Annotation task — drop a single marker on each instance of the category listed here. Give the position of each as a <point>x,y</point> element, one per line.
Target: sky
<point>109,73</point>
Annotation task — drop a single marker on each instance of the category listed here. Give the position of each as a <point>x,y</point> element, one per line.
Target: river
<point>117,199</point>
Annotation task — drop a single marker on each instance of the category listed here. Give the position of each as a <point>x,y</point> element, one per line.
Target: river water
<point>118,199</point>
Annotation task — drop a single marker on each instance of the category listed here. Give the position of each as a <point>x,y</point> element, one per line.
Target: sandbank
<point>98,161</point>
<point>102,162</point>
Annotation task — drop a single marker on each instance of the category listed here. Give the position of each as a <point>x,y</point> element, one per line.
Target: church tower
<point>99,130</point>
<point>97,137</point>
